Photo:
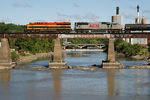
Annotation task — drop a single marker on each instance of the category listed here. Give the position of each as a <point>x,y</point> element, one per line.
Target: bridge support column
<point>57,62</point>
<point>111,62</point>
<point>111,51</point>
<point>5,55</point>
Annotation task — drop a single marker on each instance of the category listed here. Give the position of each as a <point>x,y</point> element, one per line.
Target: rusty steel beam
<point>75,35</point>
<point>131,35</point>
<point>84,36</point>
<point>29,36</point>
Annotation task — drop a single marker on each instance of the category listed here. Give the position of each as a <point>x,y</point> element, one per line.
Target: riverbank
<point>30,58</point>
<point>137,57</point>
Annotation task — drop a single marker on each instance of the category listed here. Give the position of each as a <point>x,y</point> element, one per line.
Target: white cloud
<point>146,11</point>
<point>128,16</point>
<point>76,5</point>
<point>6,20</point>
<point>89,16</point>
<point>23,5</point>
<point>133,7</point>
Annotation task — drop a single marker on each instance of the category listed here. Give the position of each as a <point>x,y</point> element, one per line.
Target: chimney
<point>138,13</point>
<point>117,11</point>
<point>138,20</point>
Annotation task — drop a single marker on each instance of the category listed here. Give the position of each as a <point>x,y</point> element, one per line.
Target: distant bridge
<point>81,46</point>
<point>70,50</point>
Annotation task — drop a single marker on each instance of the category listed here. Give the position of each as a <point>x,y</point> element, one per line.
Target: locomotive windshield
<point>83,23</point>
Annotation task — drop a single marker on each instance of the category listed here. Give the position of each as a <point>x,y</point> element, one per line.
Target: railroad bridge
<point>58,62</point>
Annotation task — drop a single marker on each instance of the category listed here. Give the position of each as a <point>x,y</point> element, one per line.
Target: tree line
<point>11,28</point>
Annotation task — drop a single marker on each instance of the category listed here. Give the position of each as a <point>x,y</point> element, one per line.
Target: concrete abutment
<point>5,55</point>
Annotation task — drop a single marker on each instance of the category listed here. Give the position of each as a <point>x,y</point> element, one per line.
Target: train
<point>85,27</point>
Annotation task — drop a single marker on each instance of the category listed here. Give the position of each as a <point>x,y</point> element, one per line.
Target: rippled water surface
<point>121,84</point>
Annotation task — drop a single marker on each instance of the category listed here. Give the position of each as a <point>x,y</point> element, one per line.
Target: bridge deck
<point>76,35</point>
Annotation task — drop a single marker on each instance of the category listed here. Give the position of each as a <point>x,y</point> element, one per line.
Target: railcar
<point>55,27</point>
<point>107,27</point>
<point>137,27</point>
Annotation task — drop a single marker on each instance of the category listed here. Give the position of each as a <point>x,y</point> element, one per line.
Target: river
<point>72,84</point>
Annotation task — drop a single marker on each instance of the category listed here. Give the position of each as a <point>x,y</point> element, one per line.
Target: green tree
<point>14,56</point>
<point>35,45</point>
<point>149,47</point>
<point>127,48</point>
<point>118,42</point>
<point>3,27</point>
<point>137,48</point>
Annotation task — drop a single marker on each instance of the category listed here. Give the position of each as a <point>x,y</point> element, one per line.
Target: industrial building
<point>139,20</point>
<point>117,19</point>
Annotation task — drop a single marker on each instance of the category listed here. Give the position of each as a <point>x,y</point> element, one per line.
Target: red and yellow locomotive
<point>56,27</point>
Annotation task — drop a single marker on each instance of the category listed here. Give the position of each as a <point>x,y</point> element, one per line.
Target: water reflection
<point>110,75</point>
<point>111,81</point>
<point>84,58</point>
<point>74,54</point>
<point>5,75</point>
<point>128,82</point>
<point>143,82</point>
<point>57,84</point>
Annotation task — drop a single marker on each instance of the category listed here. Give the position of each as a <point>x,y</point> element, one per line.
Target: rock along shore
<point>28,59</point>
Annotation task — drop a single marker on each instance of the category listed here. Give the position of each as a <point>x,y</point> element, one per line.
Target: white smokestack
<point>117,11</point>
<point>138,20</point>
<point>138,13</point>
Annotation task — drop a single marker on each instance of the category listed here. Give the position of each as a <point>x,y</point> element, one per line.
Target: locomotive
<point>60,27</point>
<point>85,27</point>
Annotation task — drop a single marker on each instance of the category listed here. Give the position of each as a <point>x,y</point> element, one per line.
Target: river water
<point>73,84</point>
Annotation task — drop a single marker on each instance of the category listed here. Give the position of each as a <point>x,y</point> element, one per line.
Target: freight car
<point>52,27</point>
<point>107,27</point>
<point>137,27</point>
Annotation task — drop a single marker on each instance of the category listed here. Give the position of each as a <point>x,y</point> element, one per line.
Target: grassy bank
<point>19,59</point>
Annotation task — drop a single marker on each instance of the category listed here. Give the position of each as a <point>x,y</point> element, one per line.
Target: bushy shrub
<point>14,56</point>
<point>127,48</point>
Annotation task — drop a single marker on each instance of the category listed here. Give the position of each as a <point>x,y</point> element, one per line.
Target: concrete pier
<point>5,55</point>
<point>111,62</point>
<point>57,62</point>
<point>111,51</point>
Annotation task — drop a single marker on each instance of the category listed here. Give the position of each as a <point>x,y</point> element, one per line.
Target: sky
<point>25,11</point>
